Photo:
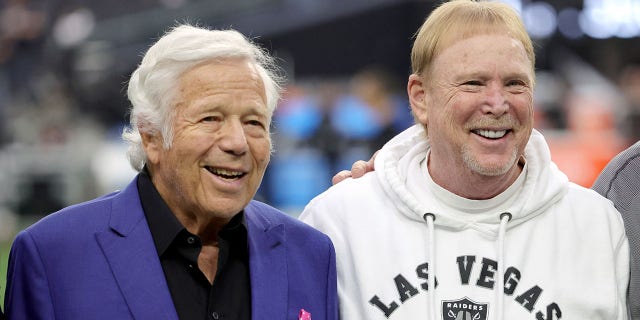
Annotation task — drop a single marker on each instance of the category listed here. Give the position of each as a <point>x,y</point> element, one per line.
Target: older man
<point>184,239</point>
<point>465,215</point>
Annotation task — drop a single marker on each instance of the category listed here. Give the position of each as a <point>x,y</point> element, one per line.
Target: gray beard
<point>491,170</point>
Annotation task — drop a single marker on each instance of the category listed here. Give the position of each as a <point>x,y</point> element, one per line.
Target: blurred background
<point>64,65</point>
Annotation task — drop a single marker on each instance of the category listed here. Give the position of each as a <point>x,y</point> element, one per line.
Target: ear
<point>152,145</point>
<point>417,98</point>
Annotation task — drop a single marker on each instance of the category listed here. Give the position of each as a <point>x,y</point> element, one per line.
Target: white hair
<point>152,87</point>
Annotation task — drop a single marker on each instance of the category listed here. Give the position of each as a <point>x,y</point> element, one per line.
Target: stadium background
<point>64,66</point>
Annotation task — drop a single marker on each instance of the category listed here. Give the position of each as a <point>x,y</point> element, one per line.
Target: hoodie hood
<point>543,185</point>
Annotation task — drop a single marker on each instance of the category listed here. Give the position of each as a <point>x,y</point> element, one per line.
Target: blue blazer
<point>97,260</point>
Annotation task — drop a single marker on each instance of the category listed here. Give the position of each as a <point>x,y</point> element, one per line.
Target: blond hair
<point>461,19</point>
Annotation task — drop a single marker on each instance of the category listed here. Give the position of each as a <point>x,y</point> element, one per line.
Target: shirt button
<point>191,240</point>
<point>215,315</point>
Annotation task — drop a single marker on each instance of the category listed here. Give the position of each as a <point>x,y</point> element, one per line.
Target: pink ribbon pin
<point>304,315</point>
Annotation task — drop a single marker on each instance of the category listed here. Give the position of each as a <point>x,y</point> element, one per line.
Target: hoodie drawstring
<point>504,219</point>
<point>430,218</point>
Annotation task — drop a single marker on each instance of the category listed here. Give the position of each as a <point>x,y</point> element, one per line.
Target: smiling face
<point>221,144</point>
<point>477,104</point>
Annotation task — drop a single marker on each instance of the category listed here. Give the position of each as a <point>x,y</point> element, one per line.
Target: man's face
<point>479,105</point>
<point>221,144</point>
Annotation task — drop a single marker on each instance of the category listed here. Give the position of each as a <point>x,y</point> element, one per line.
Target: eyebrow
<point>484,75</point>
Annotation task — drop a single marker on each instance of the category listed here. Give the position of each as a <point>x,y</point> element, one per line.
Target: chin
<point>489,165</point>
<point>492,169</point>
<point>227,208</point>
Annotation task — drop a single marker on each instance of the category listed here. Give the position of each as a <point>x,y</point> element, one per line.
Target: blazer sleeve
<point>332,285</point>
<point>27,294</point>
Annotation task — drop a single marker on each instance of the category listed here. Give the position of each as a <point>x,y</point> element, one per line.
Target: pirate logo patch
<point>464,309</point>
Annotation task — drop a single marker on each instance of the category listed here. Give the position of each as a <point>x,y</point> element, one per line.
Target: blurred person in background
<point>620,182</point>
<point>590,139</point>
<point>366,117</point>
<point>324,128</point>
<point>21,42</point>
<point>184,240</point>
<point>465,215</point>
<point>21,39</point>
<point>629,83</point>
<point>301,162</point>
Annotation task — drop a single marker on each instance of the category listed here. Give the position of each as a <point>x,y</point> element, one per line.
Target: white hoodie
<point>562,255</point>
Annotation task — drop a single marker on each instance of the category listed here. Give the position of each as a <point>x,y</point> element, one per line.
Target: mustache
<point>503,122</point>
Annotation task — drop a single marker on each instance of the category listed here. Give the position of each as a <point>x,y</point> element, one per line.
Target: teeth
<point>226,173</point>
<point>491,134</point>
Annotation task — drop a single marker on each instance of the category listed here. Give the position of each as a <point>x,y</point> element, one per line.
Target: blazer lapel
<point>132,256</point>
<point>267,265</point>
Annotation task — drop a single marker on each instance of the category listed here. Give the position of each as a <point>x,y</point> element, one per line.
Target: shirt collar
<point>164,225</point>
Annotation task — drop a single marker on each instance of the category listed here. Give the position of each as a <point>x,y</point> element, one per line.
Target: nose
<point>495,100</point>
<point>233,139</point>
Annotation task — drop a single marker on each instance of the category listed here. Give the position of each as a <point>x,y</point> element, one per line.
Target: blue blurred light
<point>568,23</point>
<point>612,18</point>
<point>540,19</point>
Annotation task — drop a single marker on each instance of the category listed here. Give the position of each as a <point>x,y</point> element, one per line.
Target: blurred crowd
<point>323,126</point>
<point>56,150</point>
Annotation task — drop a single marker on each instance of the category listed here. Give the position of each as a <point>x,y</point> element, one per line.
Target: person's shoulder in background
<point>619,181</point>
<point>622,172</point>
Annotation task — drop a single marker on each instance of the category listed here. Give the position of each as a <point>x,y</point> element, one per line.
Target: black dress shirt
<point>229,297</point>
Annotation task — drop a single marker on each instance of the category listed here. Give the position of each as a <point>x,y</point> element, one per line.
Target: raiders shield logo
<point>464,309</point>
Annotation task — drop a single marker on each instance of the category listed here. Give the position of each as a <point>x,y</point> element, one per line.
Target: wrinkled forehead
<point>222,73</point>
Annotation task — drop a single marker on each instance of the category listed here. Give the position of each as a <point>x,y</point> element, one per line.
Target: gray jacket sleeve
<point>620,183</point>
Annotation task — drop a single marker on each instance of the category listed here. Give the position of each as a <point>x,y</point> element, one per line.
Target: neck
<point>207,228</point>
<point>472,185</point>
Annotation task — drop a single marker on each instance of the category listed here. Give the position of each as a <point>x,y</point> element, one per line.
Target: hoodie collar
<point>422,183</point>
<point>398,167</point>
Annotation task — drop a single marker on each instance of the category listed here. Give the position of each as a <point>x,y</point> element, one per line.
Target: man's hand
<point>358,169</point>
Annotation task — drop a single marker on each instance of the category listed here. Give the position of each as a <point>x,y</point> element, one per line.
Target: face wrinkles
<point>479,112</point>
<point>221,144</point>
